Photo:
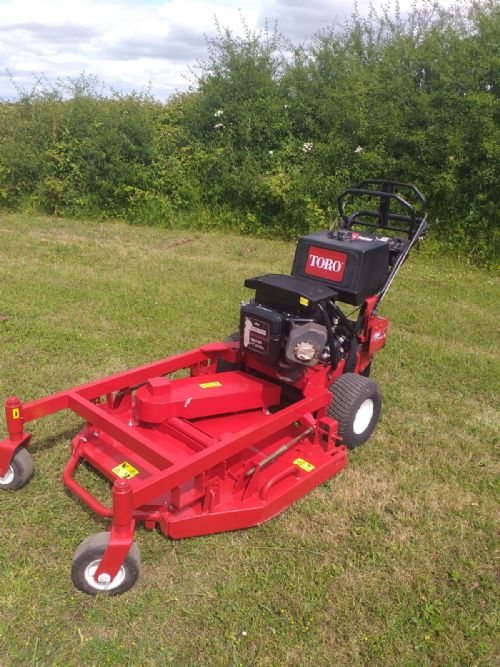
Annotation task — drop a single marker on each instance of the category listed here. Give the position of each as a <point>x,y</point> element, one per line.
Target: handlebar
<point>385,193</point>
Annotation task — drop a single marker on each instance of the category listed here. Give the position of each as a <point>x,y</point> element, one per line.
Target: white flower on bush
<point>218,126</point>
<point>358,149</point>
<point>219,113</point>
<point>307,147</point>
<point>271,152</point>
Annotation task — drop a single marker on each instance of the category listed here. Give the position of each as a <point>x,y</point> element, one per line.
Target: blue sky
<point>130,44</point>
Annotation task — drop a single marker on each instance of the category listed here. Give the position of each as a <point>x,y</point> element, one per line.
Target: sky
<point>133,44</point>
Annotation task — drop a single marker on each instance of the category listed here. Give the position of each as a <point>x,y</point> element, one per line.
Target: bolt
<point>104,578</point>
<point>131,422</point>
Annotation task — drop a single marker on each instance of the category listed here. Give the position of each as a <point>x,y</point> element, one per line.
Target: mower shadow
<point>48,442</point>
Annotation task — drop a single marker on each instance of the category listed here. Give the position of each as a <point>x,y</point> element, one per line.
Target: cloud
<point>178,44</point>
<point>131,43</point>
<point>126,43</point>
<point>62,33</point>
<point>299,20</point>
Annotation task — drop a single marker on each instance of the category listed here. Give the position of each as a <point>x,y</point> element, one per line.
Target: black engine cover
<point>289,294</point>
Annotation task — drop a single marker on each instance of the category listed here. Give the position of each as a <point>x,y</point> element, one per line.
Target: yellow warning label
<point>125,471</point>
<point>15,413</point>
<point>304,465</point>
<point>210,385</point>
<point>303,301</point>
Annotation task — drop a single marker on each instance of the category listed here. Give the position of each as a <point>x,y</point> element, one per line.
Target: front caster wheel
<point>86,561</point>
<point>356,404</point>
<point>19,472</point>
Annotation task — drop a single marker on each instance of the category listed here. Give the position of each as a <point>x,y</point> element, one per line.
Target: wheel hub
<point>8,477</point>
<point>104,581</point>
<point>363,416</point>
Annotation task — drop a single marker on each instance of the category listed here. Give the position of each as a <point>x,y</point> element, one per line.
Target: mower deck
<point>194,455</point>
<point>234,494</point>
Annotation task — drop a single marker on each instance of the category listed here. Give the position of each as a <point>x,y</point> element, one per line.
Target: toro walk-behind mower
<point>257,421</point>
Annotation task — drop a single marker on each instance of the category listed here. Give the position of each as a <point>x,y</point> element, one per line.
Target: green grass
<point>390,563</point>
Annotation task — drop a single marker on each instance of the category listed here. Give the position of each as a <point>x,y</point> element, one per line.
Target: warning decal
<point>304,465</point>
<point>125,471</point>
<point>210,385</point>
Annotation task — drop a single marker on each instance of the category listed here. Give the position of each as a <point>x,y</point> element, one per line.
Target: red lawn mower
<point>257,421</point>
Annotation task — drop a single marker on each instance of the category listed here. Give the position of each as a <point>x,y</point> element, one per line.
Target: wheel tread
<point>348,392</point>
<point>22,464</point>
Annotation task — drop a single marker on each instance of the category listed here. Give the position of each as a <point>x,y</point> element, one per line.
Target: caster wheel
<point>19,472</point>
<point>86,561</point>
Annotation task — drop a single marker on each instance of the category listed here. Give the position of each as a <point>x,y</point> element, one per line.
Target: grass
<point>390,563</point>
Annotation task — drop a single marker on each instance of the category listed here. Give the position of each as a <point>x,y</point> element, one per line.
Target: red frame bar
<point>79,400</point>
<point>60,401</point>
<point>94,504</point>
<point>117,429</point>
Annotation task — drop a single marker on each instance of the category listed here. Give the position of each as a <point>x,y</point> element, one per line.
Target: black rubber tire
<point>87,556</point>
<point>224,366</point>
<point>19,472</point>
<point>352,393</point>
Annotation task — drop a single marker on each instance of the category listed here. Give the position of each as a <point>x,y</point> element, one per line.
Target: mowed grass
<point>393,562</point>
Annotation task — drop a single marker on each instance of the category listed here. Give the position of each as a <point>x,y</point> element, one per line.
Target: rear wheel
<point>224,366</point>
<point>19,472</point>
<point>86,561</point>
<point>356,404</point>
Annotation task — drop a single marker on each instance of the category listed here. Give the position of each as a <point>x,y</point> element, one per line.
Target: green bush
<point>266,139</point>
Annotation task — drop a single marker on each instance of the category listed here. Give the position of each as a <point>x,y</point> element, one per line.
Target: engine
<point>292,323</point>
